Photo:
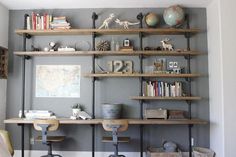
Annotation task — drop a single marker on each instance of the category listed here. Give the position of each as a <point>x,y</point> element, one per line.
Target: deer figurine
<point>166,45</point>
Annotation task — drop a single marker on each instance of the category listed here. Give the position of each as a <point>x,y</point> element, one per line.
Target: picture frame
<point>126,43</point>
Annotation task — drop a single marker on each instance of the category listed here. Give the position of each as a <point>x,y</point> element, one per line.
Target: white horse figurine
<point>106,22</point>
<point>126,24</point>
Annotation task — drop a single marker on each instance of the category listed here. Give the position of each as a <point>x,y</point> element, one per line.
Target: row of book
<point>163,89</point>
<point>46,21</point>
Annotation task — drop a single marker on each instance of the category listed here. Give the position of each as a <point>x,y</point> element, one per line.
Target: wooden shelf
<point>99,121</point>
<point>55,53</point>
<point>164,98</point>
<point>107,53</point>
<point>142,75</point>
<point>170,53</point>
<point>157,31</point>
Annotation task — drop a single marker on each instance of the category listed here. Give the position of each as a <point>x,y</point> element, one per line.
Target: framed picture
<point>127,43</point>
<point>58,81</point>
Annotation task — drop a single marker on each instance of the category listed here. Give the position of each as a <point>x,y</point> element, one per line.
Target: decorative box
<point>176,114</point>
<point>155,113</point>
<point>159,152</point>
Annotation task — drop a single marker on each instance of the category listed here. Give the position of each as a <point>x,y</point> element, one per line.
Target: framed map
<point>58,81</point>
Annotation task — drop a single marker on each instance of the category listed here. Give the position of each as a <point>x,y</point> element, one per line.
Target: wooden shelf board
<point>106,53</point>
<point>170,53</point>
<point>55,53</point>
<point>141,75</point>
<point>161,31</point>
<point>164,98</point>
<point>54,32</point>
<point>99,121</point>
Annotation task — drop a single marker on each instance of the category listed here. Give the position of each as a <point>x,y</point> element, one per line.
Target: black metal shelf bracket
<point>94,18</point>
<point>27,57</point>
<point>188,58</point>
<point>187,34</point>
<point>25,36</point>
<point>140,18</point>
<point>188,79</point>
<point>28,36</point>
<point>94,35</point>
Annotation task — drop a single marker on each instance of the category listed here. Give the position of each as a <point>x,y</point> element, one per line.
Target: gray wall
<point>113,90</point>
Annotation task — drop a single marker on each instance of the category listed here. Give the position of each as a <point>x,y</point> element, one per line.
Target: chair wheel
<point>57,155</point>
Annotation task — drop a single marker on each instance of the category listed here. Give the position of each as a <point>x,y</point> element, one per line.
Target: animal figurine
<point>34,48</point>
<point>166,45</point>
<point>53,46</point>
<point>106,22</point>
<point>126,24</point>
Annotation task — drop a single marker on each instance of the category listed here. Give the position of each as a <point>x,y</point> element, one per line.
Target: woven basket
<point>158,152</point>
<point>203,152</point>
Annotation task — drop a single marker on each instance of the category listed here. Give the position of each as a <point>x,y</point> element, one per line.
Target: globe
<point>174,16</point>
<point>152,20</point>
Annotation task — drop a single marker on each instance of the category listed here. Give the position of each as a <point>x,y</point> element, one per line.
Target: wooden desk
<point>99,121</point>
<point>67,121</point>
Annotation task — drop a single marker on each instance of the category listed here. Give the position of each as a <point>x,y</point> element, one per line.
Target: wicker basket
<point>158,152</point>
<point>155,113</point>
<point>203,152</point>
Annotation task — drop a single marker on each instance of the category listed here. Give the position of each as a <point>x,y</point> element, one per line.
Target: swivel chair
<point>5,137</point>
<point>115,126</point>
<point>46,126</point>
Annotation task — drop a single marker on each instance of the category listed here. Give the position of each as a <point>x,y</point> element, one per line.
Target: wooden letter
<point>118,65</point>
<point>128,67</point>
<point>110,66</point>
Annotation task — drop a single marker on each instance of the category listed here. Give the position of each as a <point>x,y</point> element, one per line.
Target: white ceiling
<point>59,4</point>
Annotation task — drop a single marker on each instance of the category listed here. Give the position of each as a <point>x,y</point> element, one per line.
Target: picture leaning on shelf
<point>161,65</point>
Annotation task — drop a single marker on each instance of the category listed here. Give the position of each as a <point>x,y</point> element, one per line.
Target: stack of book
<point>39,22</point>
<point>38,114</point>
<point>163,89</point>
<point>60,23</point>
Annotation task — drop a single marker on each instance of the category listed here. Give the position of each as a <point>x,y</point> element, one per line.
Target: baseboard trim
<point>38,153</point>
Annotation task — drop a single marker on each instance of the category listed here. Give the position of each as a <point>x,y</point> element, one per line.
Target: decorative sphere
<point>152,20</point>
<point>174,16</point>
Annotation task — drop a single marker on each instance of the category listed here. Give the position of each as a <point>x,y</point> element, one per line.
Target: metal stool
<point>115,126</point>
<point>45,126</point>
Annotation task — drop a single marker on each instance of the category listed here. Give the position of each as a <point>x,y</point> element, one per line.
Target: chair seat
<point>120,139</point>
<point>51,138</point>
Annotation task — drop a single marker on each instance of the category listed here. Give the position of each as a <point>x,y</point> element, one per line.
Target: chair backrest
<point>7,141</point>
<point>45,125</point>
<point>121,124</point>
<point>52,124</point>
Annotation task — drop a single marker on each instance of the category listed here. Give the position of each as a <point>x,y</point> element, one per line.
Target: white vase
<point>75,112</point>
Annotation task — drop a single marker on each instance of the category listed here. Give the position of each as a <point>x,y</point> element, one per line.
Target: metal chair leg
<point>49,148</point>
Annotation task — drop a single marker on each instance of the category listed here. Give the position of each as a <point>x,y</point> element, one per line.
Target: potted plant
<point>76,109</point>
